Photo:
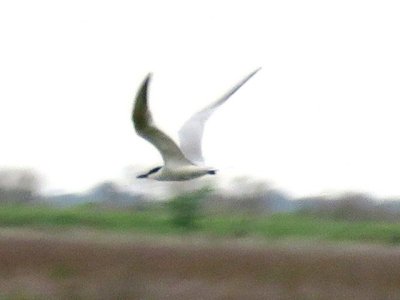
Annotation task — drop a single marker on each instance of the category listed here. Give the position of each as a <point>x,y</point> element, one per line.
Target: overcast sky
<point>321,116</point>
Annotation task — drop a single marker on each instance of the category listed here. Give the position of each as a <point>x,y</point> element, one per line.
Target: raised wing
<point>144,125</point>
<point>191,133</point>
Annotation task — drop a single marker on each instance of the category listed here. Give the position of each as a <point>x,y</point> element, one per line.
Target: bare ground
<point>92,265</point>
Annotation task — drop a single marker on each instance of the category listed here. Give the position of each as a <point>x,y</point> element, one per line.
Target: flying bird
<point>180,163</point>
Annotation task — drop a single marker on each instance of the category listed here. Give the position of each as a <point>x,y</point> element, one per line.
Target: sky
<point>321,116</point>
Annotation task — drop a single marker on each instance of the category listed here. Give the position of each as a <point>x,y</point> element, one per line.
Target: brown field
<point>89,265</point>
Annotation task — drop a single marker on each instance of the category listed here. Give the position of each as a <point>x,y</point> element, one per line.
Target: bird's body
<point>181,173</point>
<point>184,162</point>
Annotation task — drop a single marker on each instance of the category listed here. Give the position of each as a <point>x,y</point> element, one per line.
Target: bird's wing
<point>191,133</point>
<point>144,125</point>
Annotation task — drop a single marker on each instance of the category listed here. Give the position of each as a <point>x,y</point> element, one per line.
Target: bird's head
<point>150,174</point>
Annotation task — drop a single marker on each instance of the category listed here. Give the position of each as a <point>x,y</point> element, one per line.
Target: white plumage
<point>184,162</point>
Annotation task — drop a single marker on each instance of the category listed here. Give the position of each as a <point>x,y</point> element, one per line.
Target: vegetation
<point>43,264</point>
<point>185,209</point>
<point>162,221</point>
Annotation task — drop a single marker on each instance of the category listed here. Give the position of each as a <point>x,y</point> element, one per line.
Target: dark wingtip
<point>148,77</point>
<point>212,172</point>
<point>144,85</point>
<point>142,176</point>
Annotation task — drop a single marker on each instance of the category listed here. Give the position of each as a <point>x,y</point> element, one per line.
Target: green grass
<point>278,226</point>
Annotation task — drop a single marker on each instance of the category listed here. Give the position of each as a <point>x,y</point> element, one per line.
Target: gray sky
<point>321,116</point>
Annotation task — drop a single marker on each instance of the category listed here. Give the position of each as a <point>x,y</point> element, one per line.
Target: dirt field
<point>87,265</point>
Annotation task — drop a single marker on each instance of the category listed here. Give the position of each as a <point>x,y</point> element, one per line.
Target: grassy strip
<point>276,226</point>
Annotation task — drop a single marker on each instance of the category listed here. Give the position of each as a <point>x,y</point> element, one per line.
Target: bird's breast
<point>182,173</point>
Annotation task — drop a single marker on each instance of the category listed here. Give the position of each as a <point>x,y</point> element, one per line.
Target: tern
<point>180,163</point>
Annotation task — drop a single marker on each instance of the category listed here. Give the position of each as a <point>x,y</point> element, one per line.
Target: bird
<point>184,162</point>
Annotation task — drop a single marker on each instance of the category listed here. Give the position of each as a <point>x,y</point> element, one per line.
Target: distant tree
<point>105,191</point>
<point>111,195</point>
<point>355,206</point>
<point>278,201</point>
<point>249,196</point>
<point>349,206</point>
<point>18,186</point>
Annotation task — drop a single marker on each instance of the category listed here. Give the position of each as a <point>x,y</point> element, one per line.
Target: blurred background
<point>306,201</point>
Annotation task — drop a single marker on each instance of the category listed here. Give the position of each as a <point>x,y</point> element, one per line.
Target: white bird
<point>180,163</point>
